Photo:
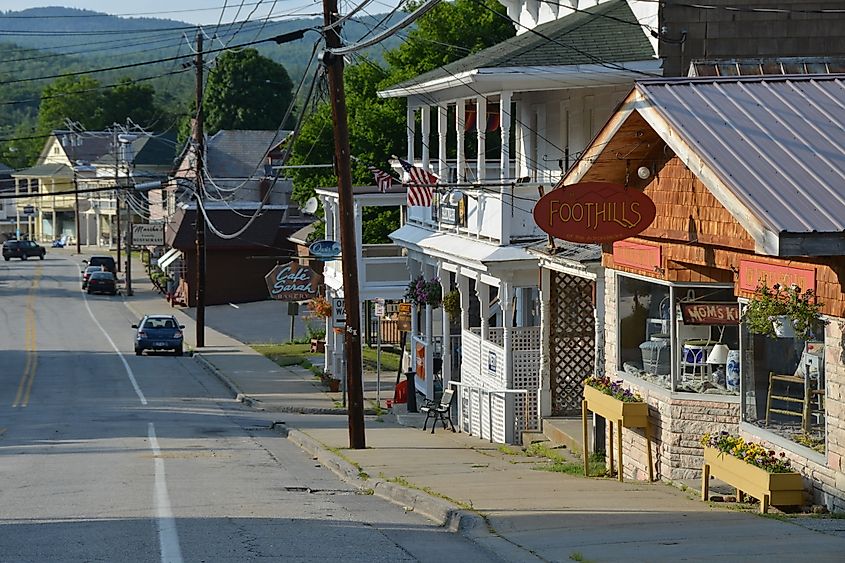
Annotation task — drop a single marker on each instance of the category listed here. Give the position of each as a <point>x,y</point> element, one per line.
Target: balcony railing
<point>498,214</point>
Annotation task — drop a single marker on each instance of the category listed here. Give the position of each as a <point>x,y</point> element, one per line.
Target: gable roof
<point>239,153</point>
<point>771,149</point>
<point>606,33</point>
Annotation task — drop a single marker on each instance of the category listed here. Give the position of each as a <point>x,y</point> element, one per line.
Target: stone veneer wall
<point>677,424</point>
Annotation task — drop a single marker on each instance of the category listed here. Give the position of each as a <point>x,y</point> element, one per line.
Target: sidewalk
<point>498,499</point>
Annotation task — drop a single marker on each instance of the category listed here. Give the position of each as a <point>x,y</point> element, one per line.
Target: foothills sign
<point>293,282</point>
<point>594,212</point>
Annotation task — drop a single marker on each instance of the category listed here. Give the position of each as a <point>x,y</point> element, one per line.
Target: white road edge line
<point>129,371</point>
<point>168,539</point>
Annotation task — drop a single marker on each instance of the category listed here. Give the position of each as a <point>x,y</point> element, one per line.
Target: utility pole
<point>116,193</point>
<point>200,218</point>
<point>129,292</point>
<point>349,257</point>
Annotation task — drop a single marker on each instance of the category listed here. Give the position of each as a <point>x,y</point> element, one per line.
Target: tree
<point>449,32</point>
<point>77,98</point>
<point>246,91</point>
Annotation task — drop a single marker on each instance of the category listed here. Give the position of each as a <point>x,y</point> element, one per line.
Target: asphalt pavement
<point>495,495</point>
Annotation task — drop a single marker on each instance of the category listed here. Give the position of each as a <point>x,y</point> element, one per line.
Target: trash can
<point>412,390</point>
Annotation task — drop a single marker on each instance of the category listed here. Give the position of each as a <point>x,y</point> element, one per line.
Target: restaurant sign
<point>292,282</point>
<point>703,313</point>
<point>594,212</point>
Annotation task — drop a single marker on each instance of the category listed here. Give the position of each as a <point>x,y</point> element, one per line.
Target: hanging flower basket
<point>773,311</point>
<point>422,292</point>
<point>320,307</point>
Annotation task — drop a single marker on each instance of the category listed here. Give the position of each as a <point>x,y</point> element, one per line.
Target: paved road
<point>111,457</point>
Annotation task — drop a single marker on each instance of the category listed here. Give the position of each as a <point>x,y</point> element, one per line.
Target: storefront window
<point>783,387</point>
<point>644,343</point>
<point>701,354</point>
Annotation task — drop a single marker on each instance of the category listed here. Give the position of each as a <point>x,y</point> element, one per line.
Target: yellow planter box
<point>778,489</point>
<point>632,415</point>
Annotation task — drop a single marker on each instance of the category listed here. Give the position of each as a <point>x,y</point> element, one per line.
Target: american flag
<point>420,184</point>
<point>383,179</point>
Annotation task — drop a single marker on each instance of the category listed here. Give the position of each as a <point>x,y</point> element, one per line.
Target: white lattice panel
<point>526,375</point>
<point>496,336</point>
<point>525,338</point>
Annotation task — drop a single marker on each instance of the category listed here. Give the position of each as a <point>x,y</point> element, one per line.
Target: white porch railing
<point>480,412</point>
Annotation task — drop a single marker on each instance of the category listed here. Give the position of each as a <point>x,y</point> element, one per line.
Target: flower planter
<point>632,415</point>
<point>334,385</point>
<point>318,346</point>
<point>622,414</point>
<point>778,489</point>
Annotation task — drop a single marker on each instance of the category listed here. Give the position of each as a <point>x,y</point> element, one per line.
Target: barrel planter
<point>622,414</point>
<point>776,489</point>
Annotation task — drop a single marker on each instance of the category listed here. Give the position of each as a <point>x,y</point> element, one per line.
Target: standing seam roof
<point>777,142</point>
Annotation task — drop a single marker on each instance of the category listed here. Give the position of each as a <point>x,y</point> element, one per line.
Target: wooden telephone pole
<point>199,146</point>
<point>349,252</point>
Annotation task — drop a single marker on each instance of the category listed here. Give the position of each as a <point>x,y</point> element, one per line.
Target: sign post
<point>379,315</point>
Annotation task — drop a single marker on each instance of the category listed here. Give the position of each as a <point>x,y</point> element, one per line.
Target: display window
<point>783,384</point>
<point>681,337</point>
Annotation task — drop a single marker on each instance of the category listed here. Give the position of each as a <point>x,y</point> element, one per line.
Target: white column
<point>429,338</point>
<point>442,128</point>
<point>446,331</point>
<point>480,129</point>
<point>506,292</point>
<point>463,288</point>
<point>411,133</point>
<point>358,217</point>
<point>425,121</point>
<point>482,291</point>
<point>541,174</point>
<point>505,128</point>
<point>545,405</point>
<point>522,152</point>
<point>460,125</point>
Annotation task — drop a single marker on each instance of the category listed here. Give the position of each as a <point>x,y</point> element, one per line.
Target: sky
<point>206,12</point>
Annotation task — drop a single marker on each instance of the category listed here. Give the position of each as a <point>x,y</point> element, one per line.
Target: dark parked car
<point>22,249</point>
<point>107,262</point>
<point>102,282</point>
<point>158,332</point>
<point>86,274</point>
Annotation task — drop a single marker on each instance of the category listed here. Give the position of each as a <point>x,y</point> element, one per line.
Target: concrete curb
<point>439,510</point>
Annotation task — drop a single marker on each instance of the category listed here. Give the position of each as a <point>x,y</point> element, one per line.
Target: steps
<point>564,431</point>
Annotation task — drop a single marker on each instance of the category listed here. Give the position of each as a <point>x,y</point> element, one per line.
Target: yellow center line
<point>30,345</point>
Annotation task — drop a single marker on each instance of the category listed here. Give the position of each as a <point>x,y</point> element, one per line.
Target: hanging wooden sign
<point>292,282</point>
<point>594,212</point>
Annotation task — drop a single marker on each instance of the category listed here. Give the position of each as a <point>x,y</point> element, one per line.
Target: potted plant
<point>320,309</point>
<point>783,311</point>
<point>752,469</point>
<point>422,292</point>
<point>452,304</point>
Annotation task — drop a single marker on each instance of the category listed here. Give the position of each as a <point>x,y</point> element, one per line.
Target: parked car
<point>22,249</point>
<point>107,262</point>
<point>158,332</point>
<point>86,274</point>
<point>102,282</point>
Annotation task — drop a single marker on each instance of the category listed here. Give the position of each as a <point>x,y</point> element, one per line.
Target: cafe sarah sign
<point>594,212</point>
<point>293,282</point>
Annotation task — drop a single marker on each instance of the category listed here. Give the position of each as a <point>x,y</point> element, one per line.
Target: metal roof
<point>778,142</point>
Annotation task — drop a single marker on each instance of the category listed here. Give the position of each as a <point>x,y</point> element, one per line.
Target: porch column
<point>482,290</point>
<point>429,338</point>
<point>460,124</point>
<point>358,218</point>
<point>545,406</point>
<point>425,122</point>
<point>446,330</point>
<point>506,292</point>
<point>463,288</point>
<point>411,131</point>
<point>522,151</point>
<point>504,162</point>
<point>480,131</point>
<point>442,129</point>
